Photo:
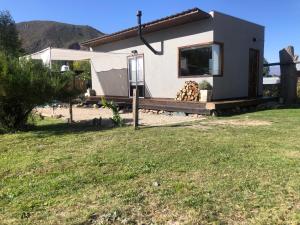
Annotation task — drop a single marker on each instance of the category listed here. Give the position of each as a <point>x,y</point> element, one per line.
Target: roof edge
<point>194,14</point>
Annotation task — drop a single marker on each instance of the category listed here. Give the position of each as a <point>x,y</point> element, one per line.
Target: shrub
<point>25,84</point>
<point>298,90</point>
<point>117,120</point>
<point>84,67</point>
<point>204,85</point>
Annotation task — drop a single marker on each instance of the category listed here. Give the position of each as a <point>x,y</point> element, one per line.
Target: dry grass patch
<point>293,154</point>
<point>240,122</point>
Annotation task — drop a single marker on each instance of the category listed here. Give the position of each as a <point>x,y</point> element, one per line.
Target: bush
<point>84,67</point>
<point>204,85</point>
<point>271,90</point>
<point>25,84</point>
<point>117,120</point>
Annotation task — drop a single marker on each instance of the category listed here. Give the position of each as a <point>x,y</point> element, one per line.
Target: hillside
<point>37,35</point>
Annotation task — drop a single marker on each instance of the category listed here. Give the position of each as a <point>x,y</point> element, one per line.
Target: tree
<point>26,84</point>
<point>9,38</point>
<point>84,67</point>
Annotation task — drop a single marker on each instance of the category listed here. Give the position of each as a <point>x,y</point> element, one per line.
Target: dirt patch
<point>146,119</point>
<point>209,124</point>
<point>247,122</point>
<point>293,154</point>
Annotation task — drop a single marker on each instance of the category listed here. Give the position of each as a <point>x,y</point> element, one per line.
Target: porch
<point>184,106</point>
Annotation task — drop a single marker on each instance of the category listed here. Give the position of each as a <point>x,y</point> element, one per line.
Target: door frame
<point>128,80</point>
<point>250,75</point>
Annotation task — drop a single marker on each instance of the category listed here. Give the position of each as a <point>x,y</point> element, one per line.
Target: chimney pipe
<point>139,20</point>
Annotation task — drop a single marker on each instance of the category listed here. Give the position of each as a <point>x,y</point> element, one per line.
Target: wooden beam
<point>281,64</point>
<point>135,108</point>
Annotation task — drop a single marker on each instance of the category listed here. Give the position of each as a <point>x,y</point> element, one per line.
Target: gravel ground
<point>146,119</point>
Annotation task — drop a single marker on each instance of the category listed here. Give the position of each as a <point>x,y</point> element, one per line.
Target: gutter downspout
<point>139,18</point>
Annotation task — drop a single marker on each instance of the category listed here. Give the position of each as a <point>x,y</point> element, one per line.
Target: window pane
<point>140,66</point>
<point>216,60</point>
<point>131,69</point>
<point>200,60</point>
<point>195,61</point>
<point>140,70</point>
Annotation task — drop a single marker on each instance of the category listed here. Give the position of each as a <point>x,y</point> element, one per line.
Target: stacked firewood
<point>190,92</point>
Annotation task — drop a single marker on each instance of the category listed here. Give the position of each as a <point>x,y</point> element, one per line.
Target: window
<point>132,70</point>
<point>136,72</point>
<point>200,60</point>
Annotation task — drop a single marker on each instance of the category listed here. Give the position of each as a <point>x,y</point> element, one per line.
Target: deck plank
<point>182,106</point>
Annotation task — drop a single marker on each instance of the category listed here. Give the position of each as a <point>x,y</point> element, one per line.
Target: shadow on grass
<point>173,125</point>
<point>61,128</point>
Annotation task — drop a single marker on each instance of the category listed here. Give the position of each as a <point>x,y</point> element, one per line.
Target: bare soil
<point>240,122</point>
<point>85,114</point>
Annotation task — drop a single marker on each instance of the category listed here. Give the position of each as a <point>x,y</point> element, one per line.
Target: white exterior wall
<point>237,36</point>
<point>109,74</point>
<point>161,71</point>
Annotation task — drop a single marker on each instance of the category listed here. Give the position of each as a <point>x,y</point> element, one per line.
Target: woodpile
<point>190,92</point>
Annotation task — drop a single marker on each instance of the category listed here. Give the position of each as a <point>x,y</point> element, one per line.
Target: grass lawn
<point>209,173</point>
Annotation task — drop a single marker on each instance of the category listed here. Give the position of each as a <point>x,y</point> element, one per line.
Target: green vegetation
<point>199,173</point>
<point>9,38</point>
<point>205,85</point>
<point>84,67</point>
<point>26,84</point>
<point>116,119</point>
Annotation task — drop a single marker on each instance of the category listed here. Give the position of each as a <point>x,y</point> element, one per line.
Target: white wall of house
<point>237,36</point>
<point>161,71</point>
<point>109,74</point>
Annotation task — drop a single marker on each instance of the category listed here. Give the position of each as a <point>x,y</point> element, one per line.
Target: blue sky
<point>280,17</point>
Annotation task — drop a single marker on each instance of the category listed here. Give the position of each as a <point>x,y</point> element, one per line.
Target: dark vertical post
<point>70,102</point>
<point>289,79</point>
<point>135,108</point>
<point>70,110</point>
<point>135,100</point>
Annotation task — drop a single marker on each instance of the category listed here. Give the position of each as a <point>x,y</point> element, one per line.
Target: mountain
<point>37,35</point>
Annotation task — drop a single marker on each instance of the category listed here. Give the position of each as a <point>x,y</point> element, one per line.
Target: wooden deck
<point>246,102</point>
<point>187,107</point>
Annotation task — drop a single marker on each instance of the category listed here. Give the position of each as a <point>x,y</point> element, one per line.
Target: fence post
<point>70,110</point>
<point>289,79</point>
<point>135,108</point>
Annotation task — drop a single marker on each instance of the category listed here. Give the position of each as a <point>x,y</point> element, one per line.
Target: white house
<point>191,45</point>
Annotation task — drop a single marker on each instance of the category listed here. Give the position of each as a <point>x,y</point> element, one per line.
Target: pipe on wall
<point>139,18</point>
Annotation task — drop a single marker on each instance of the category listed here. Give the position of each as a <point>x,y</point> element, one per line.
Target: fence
<point>288,87</point>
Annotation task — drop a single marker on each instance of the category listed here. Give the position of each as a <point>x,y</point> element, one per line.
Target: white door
<point>136,74</point>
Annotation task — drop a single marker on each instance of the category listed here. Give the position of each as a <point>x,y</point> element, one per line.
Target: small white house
<point>192,45</point>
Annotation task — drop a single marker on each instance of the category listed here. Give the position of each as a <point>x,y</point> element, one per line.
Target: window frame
<point>128,80</point>
<point>202,45</point>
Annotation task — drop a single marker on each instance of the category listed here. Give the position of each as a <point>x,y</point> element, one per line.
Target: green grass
<point>58,174</point>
